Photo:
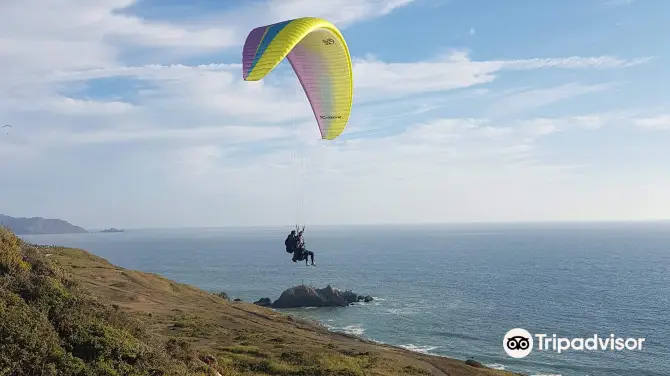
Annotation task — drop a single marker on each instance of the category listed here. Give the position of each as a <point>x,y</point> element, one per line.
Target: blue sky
<point>134,114</point>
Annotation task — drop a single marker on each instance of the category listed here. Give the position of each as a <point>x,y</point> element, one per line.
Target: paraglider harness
<point>293,245</point>
<point>291,242</point>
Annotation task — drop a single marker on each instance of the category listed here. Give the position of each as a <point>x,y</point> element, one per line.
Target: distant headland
<point>113,230</point>
<point>39,225</point>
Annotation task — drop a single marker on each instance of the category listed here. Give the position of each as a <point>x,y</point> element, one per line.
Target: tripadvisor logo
<point>518,343</point>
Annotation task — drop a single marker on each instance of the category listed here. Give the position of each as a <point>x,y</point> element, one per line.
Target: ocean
<point>449,290</point>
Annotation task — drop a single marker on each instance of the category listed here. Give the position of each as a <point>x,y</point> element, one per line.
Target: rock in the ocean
<point>473,363</point>
<point>350,296</point>
<point>264,302</point>
<point>308,296</point>
<point>368,299</point>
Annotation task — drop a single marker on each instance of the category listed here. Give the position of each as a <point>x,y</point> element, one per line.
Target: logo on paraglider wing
<point>324,117</point>
<point>328,41</point>
<point>518,343</point>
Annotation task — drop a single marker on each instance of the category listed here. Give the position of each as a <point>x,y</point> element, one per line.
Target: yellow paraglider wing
<point>320,58</point>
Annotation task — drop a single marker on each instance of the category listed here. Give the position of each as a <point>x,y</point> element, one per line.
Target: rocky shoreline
<point>304,296</point>
<point>308,296</point>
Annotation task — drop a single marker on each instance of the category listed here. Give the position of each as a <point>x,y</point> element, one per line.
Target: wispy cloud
<point>340,12</point>
<point>223,134</point>
<point>576,62</point>
<point>534,98</point>
<point>96,32</point>
<point>457,70</point>
<point>457,157</point>
<point>661,122</point>
<point>616,3</point>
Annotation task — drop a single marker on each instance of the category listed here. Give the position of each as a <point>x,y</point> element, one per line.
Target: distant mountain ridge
<point>39,225</point>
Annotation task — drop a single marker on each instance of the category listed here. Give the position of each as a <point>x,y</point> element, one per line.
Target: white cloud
<point>44,58</point>
<point>616,3</point>
<point>77,106</point>
<point>589,122</point>
<point>74,34</point>
<point>575,62</point>
<point>456,70</point>
<point>77,34</point>
<point>340,12</point>
<point>199,160</point>
<point>661,122</point>
<point>441,170</point>
<point>459,161</point>
<point>89,25</point>
<point>224,134</point>
<point>534,98</point>
<point>217,90</point>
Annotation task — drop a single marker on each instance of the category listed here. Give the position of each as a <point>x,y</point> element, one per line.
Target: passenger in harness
<point>301,253</point>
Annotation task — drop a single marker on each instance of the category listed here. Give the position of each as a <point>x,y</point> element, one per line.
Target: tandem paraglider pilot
<point>295,243</point>
<point>320,58</point>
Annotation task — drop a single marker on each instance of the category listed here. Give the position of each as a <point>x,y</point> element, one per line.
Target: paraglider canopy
<point>316,50</point>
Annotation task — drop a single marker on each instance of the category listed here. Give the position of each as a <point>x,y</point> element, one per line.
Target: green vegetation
<point>67,312</point>
<point>50,325</point>
<point>222,295</point>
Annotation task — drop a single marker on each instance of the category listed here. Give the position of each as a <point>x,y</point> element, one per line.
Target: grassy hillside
<point>67,312</point>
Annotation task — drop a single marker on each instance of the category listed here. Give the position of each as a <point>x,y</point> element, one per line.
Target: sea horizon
<point>398,224</point>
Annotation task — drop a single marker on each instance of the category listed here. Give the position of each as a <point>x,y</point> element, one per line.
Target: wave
<point>355,329</point>
<point>419,349</point>
<point>358,330</point>
<point>402,311</point>
<point>497,366</point>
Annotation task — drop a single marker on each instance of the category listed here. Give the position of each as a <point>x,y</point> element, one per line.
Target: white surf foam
<point>402,311</point>
<point>356,330</point>
<point>419,349</point>
<point>497,366</point>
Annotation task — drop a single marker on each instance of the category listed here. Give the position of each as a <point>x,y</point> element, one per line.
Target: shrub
<point>51,326</point>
